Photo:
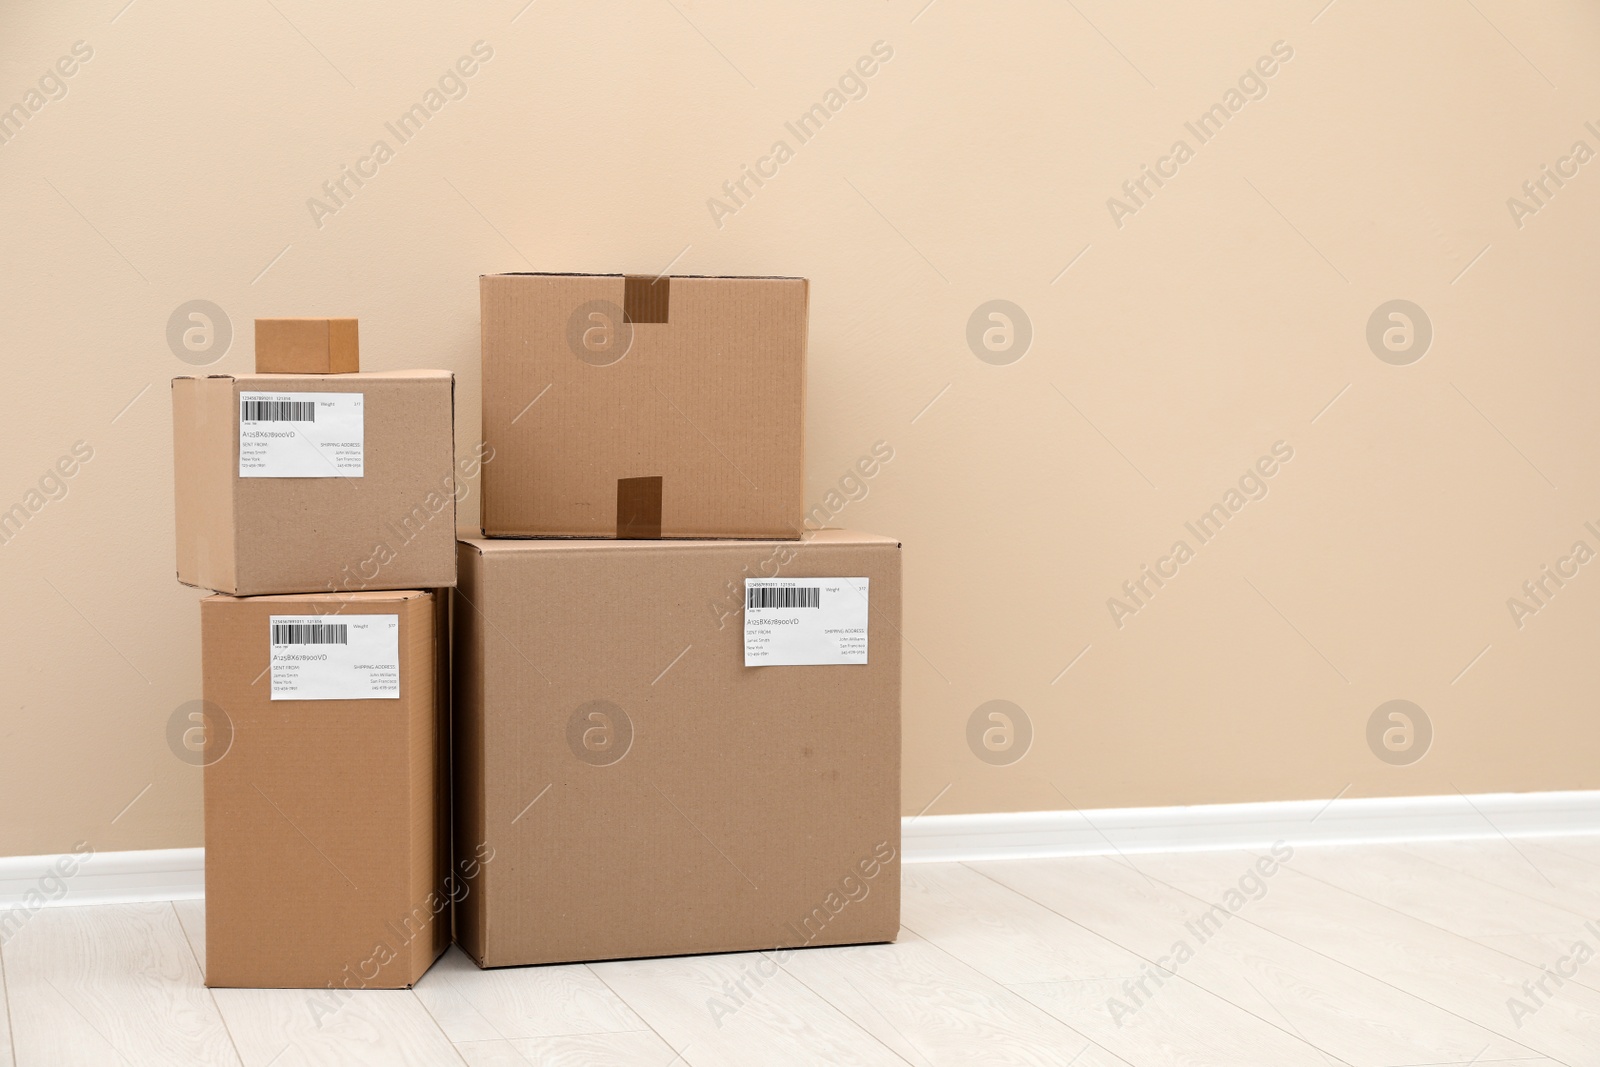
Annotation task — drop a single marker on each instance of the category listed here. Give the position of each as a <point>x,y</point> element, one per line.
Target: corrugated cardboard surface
<point>711,401</point>
<point>325,821</point>
<point>204,415</point>
<point>308,346</point>
<point>753,808</point>
<point>392,528</point>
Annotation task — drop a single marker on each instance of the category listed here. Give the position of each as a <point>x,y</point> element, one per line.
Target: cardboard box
<point>343,482</point>
<point>637,407</point>
<point>644,793</point>
<point>326,817</point>
<point>307,346</point>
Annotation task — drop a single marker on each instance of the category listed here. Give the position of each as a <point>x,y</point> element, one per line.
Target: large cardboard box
<point>639,407</point>
<point>643,792</point>
<point>297,483</point>
<point>326,789</point>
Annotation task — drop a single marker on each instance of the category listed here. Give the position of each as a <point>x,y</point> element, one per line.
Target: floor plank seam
<point>1014,987</point>
<point>1511,888</point>
<point>556,1037</point>
<point>1399,989</point>
<point>425,1010</point>
<point>1470,939</point>
<point>5,997</point>
<point>677,1053</point>
<point>1180,977</point>
<point>1549,843</point>
<point>1089,1042</point>
<point>841,1013</point>
<point>211,993</point>
<point>1351,967</point>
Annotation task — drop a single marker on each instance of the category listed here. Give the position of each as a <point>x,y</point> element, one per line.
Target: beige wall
<point>1224,315</point>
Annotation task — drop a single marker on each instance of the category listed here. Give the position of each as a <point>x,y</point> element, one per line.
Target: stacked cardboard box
<point>646,787</point>
<point>676,720</point>
<point>685,738</point>
<point>320,503</point>
<point>643,407</point>
<point>327,838</point>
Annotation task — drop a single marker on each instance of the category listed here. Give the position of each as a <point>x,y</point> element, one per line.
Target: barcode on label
<point>785,596</point>
<point>310,633</point>
<point>278,411</point>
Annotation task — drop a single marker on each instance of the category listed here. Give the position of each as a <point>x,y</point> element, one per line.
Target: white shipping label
<point>301,435</point>
<point>802,621</point>
<point>335,657</point>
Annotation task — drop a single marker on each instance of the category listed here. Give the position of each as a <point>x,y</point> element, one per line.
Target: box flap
<point>202,413</point>
<point>488,546</point>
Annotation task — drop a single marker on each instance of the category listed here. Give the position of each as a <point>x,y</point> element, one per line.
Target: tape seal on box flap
<point>646,299</point>
<point>639,508</point>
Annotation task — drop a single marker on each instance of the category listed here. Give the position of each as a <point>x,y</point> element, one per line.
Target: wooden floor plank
<point>931,1008</point>
<point>1585,848</point>
<point>1572,848</point>
<point>110,984</point>
<point>641,1048</point>
<point>512,1003</point>
<point>7,1047</point>
<point>1468,979</point>
<point>1402,879</point>
<point>1002,934</point>
<point>1377,956</point>
<point>1333,1007</point>
<point>1522,866</point>
<point>1179,1025</point>
<point>192,917</point>
<point>1489,914</point>
<point>739,1009</point>
<point>299,1027</point>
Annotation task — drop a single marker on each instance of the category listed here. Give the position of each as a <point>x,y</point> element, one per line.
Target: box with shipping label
<point>677,746</point>
<point>298,483</point>
<point>640,407</point>
<point>326,789</point>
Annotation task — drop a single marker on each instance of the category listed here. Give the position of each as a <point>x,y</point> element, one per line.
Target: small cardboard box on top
<point>308,346</point>
<point>643,407</point>
<point>299,483</point>
<point>644,788</point>
<point>326,760</point>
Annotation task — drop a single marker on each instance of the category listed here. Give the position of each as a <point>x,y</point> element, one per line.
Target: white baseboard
<point>179,873</point>
<point>102,878</point>
<point>1215,827</point>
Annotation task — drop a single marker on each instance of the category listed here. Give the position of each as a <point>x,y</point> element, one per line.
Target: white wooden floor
<point>1387,955</point>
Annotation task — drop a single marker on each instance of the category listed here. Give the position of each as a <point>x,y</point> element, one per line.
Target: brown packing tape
<point>638,508</point>
<point>646,299</point>
<point>344,346</point>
